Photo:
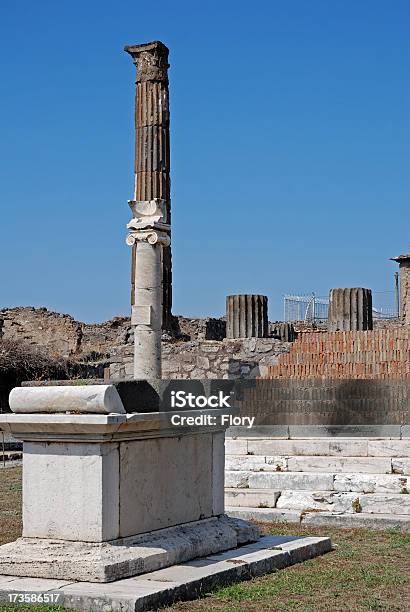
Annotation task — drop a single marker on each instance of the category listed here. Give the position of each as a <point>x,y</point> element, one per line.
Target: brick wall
<point>380,354</point>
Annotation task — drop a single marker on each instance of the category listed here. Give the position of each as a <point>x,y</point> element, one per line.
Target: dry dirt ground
<point>368,570</point>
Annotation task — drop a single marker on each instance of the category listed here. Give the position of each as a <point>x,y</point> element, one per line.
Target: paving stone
<point>262,498</point>
<point>373,465</point>
<point>4,579</point>
<point>362,519</point>
<point>187,581</point>
<point>321,500</point>
<point>370,483</point>
<point>300,553</point>
<point>291,480</point>
<point>401,465</point>
<point>385,504</point>
<point>389,448</point>
<point>35,584</point>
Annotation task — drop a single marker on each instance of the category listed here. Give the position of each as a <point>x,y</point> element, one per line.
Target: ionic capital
<point>152,236</point>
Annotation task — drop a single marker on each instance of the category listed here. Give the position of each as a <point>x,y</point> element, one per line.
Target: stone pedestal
<point>106,496</point>
<point>404,270</point>
<point>350,309</point>
<point>247,316</point>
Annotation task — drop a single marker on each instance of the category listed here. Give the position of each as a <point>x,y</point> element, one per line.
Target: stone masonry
<point>228,359</point>
<point>361,481</point>
<point>404,263</point>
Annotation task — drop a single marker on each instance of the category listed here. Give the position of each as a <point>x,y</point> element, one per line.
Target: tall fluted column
<point>152,157</point>
<point>350,309</point>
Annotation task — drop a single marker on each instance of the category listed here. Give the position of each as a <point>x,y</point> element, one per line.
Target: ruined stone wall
<point>229,359</point>
<point>199,329</point>
<point>198,349</point>
<point>61,334</point>
<point>405,291</point>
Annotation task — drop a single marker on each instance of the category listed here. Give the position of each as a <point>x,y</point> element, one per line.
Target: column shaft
<point>147,311</point>
<point>246,316</point>
<point>152,150</point>
<point>350,309</point>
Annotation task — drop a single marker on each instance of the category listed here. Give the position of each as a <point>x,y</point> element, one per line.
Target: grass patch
<point>10,607</point>
<point>368,570</point>
<point>10,504</point>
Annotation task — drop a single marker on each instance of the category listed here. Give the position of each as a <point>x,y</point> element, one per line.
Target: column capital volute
<point>152,236</point>
<point>151,60</point>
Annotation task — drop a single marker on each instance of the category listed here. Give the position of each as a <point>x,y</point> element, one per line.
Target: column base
<point>126,557</point>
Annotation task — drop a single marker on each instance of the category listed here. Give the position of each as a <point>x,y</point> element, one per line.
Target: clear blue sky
<point>290,148</point>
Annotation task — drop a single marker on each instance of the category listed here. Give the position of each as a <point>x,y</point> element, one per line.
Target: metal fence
<point>309,308</point>
<point>385,305</point>
<point>314,309</point>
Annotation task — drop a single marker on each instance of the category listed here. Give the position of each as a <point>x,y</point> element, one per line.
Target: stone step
<point>371,483</point>
<point>316,446</point>
<point>369,465</point>
<point>344,447</point>
<point>324,519</point>
<point>401,465</point>
<point>256,463</point>
<point>389,448</point>
<point>256,498</point>
<point>336,502</point>
<point>236,447</point>
<point>392,503</point>
<point>311,481</point>
<point>279,480</point>
<point>308,501</point>
<point>358,520</point>
<point>264,515</point>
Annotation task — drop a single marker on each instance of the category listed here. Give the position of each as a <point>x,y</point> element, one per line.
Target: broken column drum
<point>246,316</point>
<point>152,155</point>
<point>350,309</point>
